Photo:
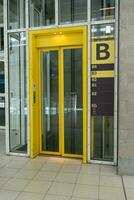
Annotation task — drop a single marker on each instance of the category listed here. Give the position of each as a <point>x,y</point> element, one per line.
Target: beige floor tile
<point>25,174</point>
<point>110,193</point>
<point>108,170</point>
<point>69,161</point>
<point>7,172</point>
<point>70,168</point>
<point>30,196</point>
<point>88,179</point>
<point>90,169</point>
<point>55,160</point>
<point>111,181</point>
<point>129,193</point>
<point>16,164</point>
<point>8,195</point>
<point>128,181</point>
<point>33,165</point>
<point>85,191</point>
<point>15,184</point>
<point>45,176</point>
<point>73,198</point>
<point>64,189</point>
<point>66,177</point>
<point>51,167</point>
<point>56,197</point>
<point>38,187</point>
<point>3,181</point>
<point>41,159</point>
<point>3,162</point>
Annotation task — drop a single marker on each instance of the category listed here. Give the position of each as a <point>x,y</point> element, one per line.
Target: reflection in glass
<point>2,77</point>
<point>73,106</point>
<point>72,11</point>
<point>1,11</point>
<point>42,13</point>
<point>1,39</point>
<point>2,111</point>
<point>16,14</point>
<point>103,137</point>
<point>103,9</point>
<point>50,101</point>
<point>18,92</point>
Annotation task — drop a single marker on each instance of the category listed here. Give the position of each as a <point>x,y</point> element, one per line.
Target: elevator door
<point>62,102</point>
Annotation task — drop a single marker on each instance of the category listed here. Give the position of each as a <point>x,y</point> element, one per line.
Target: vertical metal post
<point>6,77</point>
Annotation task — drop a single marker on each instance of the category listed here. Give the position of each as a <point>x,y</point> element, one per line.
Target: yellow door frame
<point>49,39</point>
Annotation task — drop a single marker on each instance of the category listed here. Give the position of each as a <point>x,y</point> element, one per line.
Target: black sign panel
<point>102,96</point>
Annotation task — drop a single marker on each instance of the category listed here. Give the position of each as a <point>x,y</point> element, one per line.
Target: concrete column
<point>126,89</point>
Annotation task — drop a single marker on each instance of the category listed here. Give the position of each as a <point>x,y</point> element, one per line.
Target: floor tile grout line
<point>52,182</point>
<point>99,181</point>
<point>78,174</point>
<point>124,190</point>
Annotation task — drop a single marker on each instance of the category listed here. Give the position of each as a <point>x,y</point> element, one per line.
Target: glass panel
<point>1,39</point>
<point>73,105</point>
<point>16,14</point>
<point>50,135</point>
<point>1,11</point>
<point>2,111</point>
<point>18,92</point>
<point>102,146</point>
<point>72,11</point>
<point>102,9</point>
<point>42,13</point>
<point>2,77</point>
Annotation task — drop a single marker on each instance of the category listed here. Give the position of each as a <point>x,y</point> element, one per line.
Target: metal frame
<point>27,29</point>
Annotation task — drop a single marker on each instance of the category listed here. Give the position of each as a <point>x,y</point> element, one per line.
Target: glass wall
<point>16,14</point>
<point>72,11</point>
<point>18,92</point>
<point>102,98</point>
<point>1,39</point>
<point>1,11</point>
<point>2,96</point>
<point>42,12</point>
<point>103,9</point>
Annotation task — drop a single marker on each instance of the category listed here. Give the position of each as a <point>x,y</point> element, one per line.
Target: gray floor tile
<point>129,193</point>
<point>38,187</point>
<point>30,196</point>
<point>15,184</point>
<point>128,181</point>
<point>64,189</point>
<point>8,195</point>
<point>85,191</point>
<point>110,193</point>
<point>56,197</point>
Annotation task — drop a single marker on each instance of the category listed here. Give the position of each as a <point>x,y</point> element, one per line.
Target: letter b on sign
<point>103,52</point>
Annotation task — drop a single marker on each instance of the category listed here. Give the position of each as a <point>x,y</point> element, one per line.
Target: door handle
<point>34,93</point>
<point>34,97</point>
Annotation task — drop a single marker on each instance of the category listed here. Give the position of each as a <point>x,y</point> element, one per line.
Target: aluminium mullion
<point>116,82</point>
<point>6,78</point>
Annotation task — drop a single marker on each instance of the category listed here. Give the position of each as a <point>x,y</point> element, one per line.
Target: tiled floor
<point>54,178</point>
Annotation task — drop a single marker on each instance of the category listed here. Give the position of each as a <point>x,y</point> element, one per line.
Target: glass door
<point>62,102</point>
<point>73,101</point>
<point>50,101</point>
